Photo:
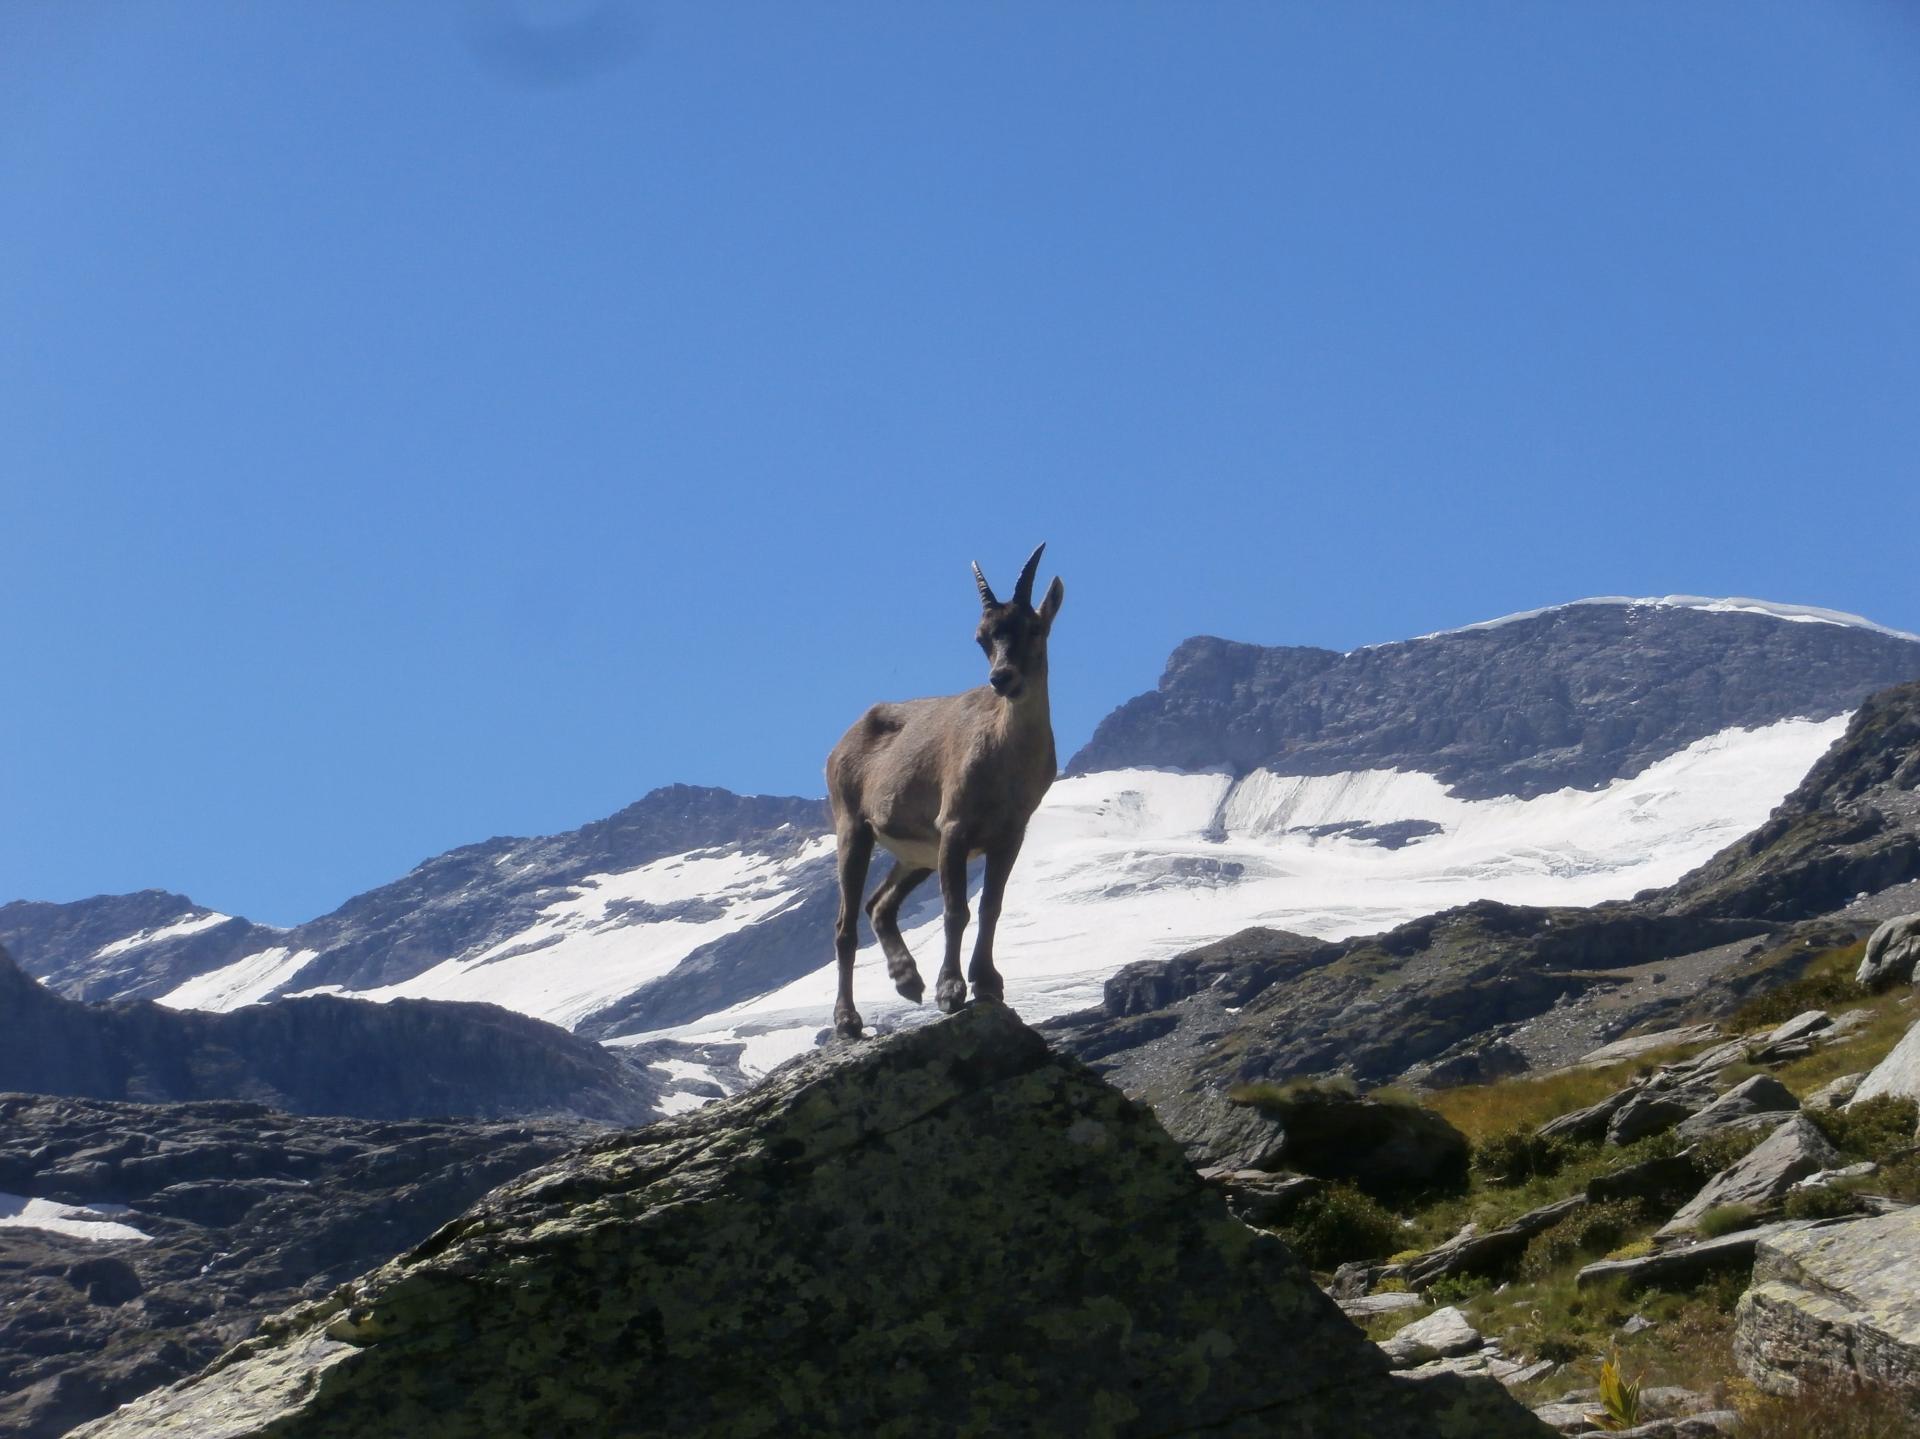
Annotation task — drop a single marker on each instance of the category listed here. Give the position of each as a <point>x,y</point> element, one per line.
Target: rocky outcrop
<point>313,1056</point>
<point>1387,1148</point>
<point>1762,1179</point>
<point>245,1212</point>
<point>1684,1264</point>
<point>1576,695</point>
<point>1897,1076</point>
<point>1892,952</point>
<point>948,1230</point>
<point>1835,1302</point>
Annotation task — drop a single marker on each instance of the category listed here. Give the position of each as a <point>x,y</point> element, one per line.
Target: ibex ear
<point>1050,605</point>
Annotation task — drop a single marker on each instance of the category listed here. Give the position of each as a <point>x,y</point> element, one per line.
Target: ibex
<point>938,781</point>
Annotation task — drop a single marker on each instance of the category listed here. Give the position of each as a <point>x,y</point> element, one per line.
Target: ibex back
<point>938,781</point>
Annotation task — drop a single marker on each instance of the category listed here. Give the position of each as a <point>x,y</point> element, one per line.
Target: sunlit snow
<point>179,929</point>
<point>247,980</point>
<point>76,1221</point>
<point>1120,866</point>
<point>1731,604</point>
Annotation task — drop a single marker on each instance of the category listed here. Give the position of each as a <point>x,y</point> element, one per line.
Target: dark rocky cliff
<point>246,1212</point>
<point>312,1056</point>
<point>1577,695</point>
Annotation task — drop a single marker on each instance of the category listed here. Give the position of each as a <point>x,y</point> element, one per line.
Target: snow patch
<point>76,1221</point>
<point>179,929</point>
<point>248,980</point>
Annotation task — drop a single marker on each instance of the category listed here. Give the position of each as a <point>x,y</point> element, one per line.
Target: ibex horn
<point>1023,592</point>
<point>987,601</point>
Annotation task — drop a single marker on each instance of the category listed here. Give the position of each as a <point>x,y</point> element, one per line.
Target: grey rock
<point>1592,1121</point>
<point>1707,1425</point>
<point>1824,1178</point>
<point>1440,1335</point>
<point>1654,1110</point>
<point>1807,1022</point>
<point>1637,1324</point>
<point>1641,1044</point>
<point>1793,1151</point>
<point>743,1269</point>
<point>1760,1095</point>
<point>1897,1075</point>
<point>1711,1061</point>
<point>1473,1062</point>
<point>1838,1301</point>
<point>1366,1306</point>
<point>1684,1263</point>
<point>1262,1199</point>
<point>1473,1252</point>
<point>1834,1093</point>
<point>1892,951</point>
<point>1566,1416</point>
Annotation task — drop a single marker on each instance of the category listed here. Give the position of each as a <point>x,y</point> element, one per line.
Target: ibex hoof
<point>990,992</point>
<point>912,987</point>
<point>847,1025</point>
<point>951,995</point>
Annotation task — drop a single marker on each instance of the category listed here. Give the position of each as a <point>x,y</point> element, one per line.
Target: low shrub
<point>1457,1288</point>
<point>1725,1219</point>
<point>1826,1202</point>
<point>1879,1129</point>
<point>1338,1224</point>
<point>1513,1156</point>
<point>1591,1230</point>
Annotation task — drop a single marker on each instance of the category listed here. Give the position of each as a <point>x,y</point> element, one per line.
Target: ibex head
<point>1014,633</point>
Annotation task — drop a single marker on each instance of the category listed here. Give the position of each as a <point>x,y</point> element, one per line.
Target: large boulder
<point>1838,1301</point>
<point>1386,1147</point>
<point>1892,951</point>
<point>1897,1075</point>
<point>949,1230</point>
<point>1762,1179</point>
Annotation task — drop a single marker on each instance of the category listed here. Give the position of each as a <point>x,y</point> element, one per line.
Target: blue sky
<point>425,422</point>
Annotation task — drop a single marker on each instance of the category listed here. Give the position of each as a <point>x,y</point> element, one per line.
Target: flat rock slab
<point>1441,1335</point>
<point>947,1230</point>
<point>1686,1262</point>
<point>1835,1302</point>
<point>1641,1044</point>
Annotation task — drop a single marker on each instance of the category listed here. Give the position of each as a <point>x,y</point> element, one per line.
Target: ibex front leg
<point>856,850</point>
<point>884,910</point>
<point>951,990</point>
<point>986,979</point>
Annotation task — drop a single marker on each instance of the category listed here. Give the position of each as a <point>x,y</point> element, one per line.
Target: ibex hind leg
<point>884,910</point>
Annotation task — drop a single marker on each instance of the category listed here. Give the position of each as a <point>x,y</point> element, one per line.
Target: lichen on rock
<point>946,1231</point>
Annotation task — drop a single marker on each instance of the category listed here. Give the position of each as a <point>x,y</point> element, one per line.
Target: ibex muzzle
<point>937,781</point>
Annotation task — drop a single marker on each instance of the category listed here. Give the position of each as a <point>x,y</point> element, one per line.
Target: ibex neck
<point>1031,712</point>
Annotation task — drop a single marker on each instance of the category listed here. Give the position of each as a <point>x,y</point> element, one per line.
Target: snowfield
<point>1141,864</point>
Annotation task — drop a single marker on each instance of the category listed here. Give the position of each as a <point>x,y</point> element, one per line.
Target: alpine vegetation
<point>937,782</point>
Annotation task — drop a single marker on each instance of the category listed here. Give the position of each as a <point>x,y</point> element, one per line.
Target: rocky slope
<point>1575,695</point>
<point>314,1056</point>
<point>1506,984</point>
<point>181,1226</point>
<point>948,1231</point>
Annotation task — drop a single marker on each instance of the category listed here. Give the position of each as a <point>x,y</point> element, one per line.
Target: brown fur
<point>938,781</point>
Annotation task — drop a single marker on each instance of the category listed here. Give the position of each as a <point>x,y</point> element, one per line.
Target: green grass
<point>1725,1219</point>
